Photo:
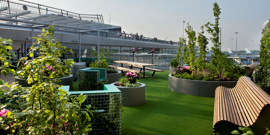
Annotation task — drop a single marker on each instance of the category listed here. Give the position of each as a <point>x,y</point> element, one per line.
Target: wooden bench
<point>149,69</point>
<point>124,69</point>
<point>244,105</point>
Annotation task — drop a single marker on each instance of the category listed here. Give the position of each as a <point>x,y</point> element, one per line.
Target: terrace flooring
<point>165,111</point>
<point>168,112</point>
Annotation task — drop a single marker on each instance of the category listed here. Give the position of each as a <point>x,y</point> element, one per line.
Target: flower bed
<point>197,87</point>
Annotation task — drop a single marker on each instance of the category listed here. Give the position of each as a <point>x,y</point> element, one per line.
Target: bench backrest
<point>240,105</point>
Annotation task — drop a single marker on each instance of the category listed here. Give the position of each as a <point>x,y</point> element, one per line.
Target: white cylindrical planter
<point>133,96</point>
<point>197,87</point>
<point>75,67</point>
<point>113,77</point>
<point>172,69</point>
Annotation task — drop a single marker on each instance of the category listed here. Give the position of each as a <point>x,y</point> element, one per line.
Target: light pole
<point>183,29</point>
<point>236,41</point>
<point>232,43</point>
<point>252,45</point>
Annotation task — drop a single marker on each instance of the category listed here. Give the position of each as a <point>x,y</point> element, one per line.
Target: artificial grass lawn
<point>168,112</point>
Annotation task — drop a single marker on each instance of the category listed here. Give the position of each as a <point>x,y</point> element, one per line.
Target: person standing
<point>124,34</point>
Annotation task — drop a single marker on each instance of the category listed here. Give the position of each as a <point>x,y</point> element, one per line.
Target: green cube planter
<point>106,104</point>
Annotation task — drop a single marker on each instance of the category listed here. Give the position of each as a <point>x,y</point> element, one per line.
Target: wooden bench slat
<point>229,105</point>
<point>250,103</point>
<point>147,68</point>
<point>124,69</point>
<point>247,114</point>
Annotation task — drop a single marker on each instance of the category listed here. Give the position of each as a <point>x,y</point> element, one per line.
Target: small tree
<point>202,42</point>
<point>191,35</point>
<point>220,61</point>
<point>186,54</point>
<point>182,42</point>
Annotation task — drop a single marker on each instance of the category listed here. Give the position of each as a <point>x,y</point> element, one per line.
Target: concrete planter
<point>172,69</point>
<point>133,96</point>
<point>22,82</point>
<point>113,77</point>
<point>197,87</point>
<point>64,81</point>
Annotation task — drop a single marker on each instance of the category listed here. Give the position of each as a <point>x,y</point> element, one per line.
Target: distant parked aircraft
<point>247,51</point>
<point>229,50</point>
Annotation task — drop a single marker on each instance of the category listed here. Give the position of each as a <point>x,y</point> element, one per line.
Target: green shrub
<point>174,62</point>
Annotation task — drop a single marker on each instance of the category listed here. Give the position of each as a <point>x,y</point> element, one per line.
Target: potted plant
<point>50,68</point>
<point>202,78</point>
<point>133,92</point>
<point>174,63</point>
<point>44,108</point>
<point>112,74</point>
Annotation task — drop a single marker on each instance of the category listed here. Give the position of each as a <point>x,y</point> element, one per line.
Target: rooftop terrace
<point>165,111</point>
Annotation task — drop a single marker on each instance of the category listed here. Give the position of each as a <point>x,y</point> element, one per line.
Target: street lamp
<point>232,43</point>
<point>183,29</point>
<point>236,40</point>
<point>252,46</point>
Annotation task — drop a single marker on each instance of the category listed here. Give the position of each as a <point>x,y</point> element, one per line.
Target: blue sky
<point>164,19</point>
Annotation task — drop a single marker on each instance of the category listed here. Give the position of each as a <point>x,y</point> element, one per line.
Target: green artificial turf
<point>168,112</point>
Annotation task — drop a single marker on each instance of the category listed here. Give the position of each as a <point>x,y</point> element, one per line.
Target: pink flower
<point>4,112</point>
<point>77,128</point>
<point>175,72</point>
<point>68,132</point>
<point>181,69</point>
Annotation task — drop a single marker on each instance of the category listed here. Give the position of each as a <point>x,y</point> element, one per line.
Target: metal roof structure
<point>24,14</point>
<point>36,16</point>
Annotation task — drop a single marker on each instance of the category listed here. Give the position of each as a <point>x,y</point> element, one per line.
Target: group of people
<point>129,36</point>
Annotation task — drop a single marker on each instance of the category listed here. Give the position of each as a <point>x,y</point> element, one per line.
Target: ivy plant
<point>262,76</point>
<point>5,55</point>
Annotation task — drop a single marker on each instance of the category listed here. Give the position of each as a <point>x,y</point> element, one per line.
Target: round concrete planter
<point>64,81</point>
<point>22,82</point>
<point>113,77</point>
<point>197,87</point>
<point>133,96</point>
<point>172,69</point>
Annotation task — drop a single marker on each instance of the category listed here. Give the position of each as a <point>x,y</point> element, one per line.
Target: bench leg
<point>153,74</point>
<point>123,72</point>
<point>143,71</point>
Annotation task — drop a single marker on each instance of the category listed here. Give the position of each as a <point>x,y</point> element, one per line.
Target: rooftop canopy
<point>31,15</point>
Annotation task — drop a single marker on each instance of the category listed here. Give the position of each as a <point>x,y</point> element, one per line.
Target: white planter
<point>133,96</point>
<point>197,87</point>
<point>172,69</point>
<point>113,77</point>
